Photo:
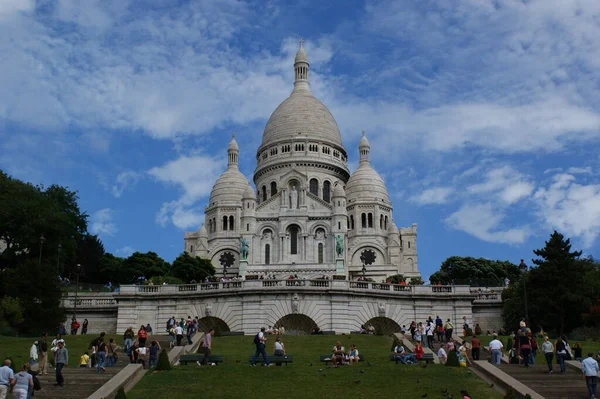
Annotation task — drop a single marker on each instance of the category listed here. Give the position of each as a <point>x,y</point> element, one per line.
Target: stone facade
<point>308,216</point>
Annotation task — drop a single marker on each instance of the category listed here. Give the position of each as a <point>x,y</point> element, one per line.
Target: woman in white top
<point>33,354</point>
<point>279,348</point>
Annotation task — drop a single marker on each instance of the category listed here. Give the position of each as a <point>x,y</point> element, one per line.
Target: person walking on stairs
<point>589,368</point>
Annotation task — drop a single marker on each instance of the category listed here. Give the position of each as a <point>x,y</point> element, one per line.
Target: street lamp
<point>364,270</point>
<point>76,290</point>
<point>42,241</point>
<point>523,269</point>
<point>58,260</point>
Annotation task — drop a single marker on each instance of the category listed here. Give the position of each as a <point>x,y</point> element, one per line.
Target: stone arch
<point>319,225</point>
<point>378,249</point>
<point>383,325</point>
<point>215,258</point>
<point>208,322</point>
<point>269,226</point>
<point>297,324</point>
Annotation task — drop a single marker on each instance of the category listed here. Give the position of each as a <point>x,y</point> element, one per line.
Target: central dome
<point>302,116</point>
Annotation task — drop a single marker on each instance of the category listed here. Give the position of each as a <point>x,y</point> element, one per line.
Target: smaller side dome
<point>338,190</point>
<point>249,193</point>
<point>392,228</point>
<point>203,232</point>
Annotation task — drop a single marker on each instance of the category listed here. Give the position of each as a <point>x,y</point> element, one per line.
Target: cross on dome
<point>301,41</point>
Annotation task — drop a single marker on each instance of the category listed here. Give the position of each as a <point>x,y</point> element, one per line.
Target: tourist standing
<point>475,347</point>
<point>84,326</point>
<point>23,383</point>
<point>260,340</point>
<point>429,330</point>
<point>548,350</point>
<point>33,354</point>
<point>178,334</point>
<point>7,379</point>
<point>525,347</point>
<point>100,355</point>
<point>153,357</point>
<point>589,368</point>
<point>497,349</point>
<point>142,335</point>
<point>561,353</point>
<point>43,345</point>
<point>61,360</point>
<point>74,326</point>
<point>207,346</point>
<point>128,338</point>
<point>449,327</point>
<point>111,353</point>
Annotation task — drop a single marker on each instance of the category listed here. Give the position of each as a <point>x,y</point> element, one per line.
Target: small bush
<point>452,359</point>
<point>121,394</point>
<point>163,361</point>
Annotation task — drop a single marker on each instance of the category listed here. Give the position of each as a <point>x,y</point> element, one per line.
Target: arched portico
<point>297,324</point>
<point>383,325</point>
<point>208,322</point>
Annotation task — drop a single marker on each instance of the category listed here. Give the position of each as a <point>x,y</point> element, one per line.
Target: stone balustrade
<point>292,285</point>
<point>89,300</point>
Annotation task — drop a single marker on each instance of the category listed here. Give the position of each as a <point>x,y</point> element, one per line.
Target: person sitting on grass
<point>353,355</point>
<point>338,354</point>
<point>418,351</point>
<point>278,347</point>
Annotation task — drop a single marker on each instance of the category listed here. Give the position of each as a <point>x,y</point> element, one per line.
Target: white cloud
<point>101,222</point>
<point>126,251</point>
<point>505,182</point>
<point>124,181</point>
<point>571,208</point>
<point>9,7</point>
<point>436,195</point>
<point>194,176</point>
<point>484,221</point>
<point>582,171</point>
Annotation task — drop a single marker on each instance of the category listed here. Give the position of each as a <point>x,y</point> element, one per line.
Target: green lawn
<point>235,378</point>
<point>18,348</point>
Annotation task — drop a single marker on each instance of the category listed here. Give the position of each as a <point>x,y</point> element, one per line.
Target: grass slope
<point>236,379</point>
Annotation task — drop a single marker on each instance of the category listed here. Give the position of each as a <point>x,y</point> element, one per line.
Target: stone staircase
<point>82,382</point>
<point>571,385</point>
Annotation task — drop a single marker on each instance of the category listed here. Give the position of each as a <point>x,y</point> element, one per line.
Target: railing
<point>319,284</point>
<point>69,302</point>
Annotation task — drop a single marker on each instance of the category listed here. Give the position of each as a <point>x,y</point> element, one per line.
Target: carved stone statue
<point>339,245</point>
<point>208,310</point>
<point>244,248</point>
<point>293,198</point>
<point>295,303</point>
<point>381,309</point>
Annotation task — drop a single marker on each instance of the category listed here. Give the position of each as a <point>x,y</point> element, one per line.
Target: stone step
<point>556,386</point>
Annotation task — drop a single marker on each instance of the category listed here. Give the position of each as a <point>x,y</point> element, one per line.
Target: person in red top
<point>418,351</point>
<point>142,336</point>
<point>74,326</point>
<point>475,347</point>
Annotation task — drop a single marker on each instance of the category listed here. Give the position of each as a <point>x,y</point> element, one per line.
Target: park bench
<point>354,332</point>
<point>327,332</point>
<point>231,333</point>
<point>278,360</point>
<point>427,357</point>
<point>199,357</point>
<point>327,358</point>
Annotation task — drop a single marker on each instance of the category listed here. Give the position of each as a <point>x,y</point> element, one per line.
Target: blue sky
<point>483,116</point>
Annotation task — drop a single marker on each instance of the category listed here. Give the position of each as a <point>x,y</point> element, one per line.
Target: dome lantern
<point>232,152</point>
<point>364,148</point>
<point>301,68</point>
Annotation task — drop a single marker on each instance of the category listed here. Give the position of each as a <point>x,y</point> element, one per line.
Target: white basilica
<point>308,216</point>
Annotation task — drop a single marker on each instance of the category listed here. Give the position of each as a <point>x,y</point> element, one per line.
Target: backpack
<point>256,340</point>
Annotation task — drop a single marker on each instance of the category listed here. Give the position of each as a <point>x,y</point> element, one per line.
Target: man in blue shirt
<point>7,379</point>
<point>589,367</point>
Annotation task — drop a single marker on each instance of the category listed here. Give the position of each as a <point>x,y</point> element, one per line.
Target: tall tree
<point>557,291</point>
<point>146,265</point>
<point>90,251</point>
<point>188,268</point>
<point>475,272</point>
<point>112,268</point>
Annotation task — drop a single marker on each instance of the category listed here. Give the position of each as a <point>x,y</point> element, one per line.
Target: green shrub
<point>163,361</point>
<point>121,394</point>
<point>509,344</point>
<point>452,359</point>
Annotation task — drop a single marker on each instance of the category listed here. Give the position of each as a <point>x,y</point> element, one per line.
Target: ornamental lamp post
<point>42,241</point>
<point>364,270</point>
<point>523,269</point>
<point>76,290</point>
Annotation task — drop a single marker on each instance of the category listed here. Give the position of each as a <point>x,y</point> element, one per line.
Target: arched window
<point>264,193</point>
<point>210,225</point>
<point>273,188</point>
<point>320,253</point>
<point>314,186</point>
<point>224,223</point>
<point>326,191</point>
<point>370,220</point>
<point>214,225</point>
<point>191,248</point>
<point>381,221</point>
<point>294,240</point>
<point>352,222</point>
<point>385,223</point>
<point>408,244</point>
<point>363,220</point>
<point>267,254</point>
<point>231,224</point>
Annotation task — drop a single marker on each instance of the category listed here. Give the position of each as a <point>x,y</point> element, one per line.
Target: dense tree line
<point>44,235</point>
<point>477,272</point>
